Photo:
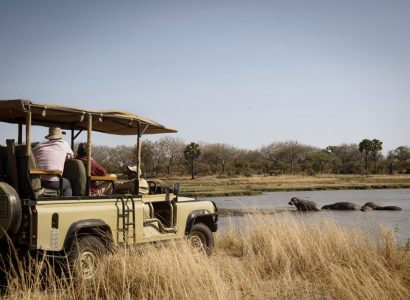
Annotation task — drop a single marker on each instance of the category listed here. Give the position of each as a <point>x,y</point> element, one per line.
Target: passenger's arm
<point>110,177</point>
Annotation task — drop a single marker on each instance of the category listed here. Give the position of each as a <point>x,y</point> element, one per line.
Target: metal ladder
<point>123,218</point>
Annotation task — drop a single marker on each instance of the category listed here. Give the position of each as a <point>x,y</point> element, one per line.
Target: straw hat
<point>55,133</point>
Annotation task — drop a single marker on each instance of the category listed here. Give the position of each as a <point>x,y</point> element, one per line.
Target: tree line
<point>171,156</point>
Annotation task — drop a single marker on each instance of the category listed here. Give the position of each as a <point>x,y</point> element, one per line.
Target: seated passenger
<point>128,187</point>
<point>51,155</point>
<point>96,170</point>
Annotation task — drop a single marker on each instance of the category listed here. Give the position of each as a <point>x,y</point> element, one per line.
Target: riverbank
<point>219,186</point>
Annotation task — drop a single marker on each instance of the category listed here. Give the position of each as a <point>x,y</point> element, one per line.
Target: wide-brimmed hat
<point>55,133</point>
<point>133,169</point>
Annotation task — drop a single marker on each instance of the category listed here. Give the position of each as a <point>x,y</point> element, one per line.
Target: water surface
<point>398,221</point>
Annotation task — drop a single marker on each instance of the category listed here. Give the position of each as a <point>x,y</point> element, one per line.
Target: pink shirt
<point>51,155</point>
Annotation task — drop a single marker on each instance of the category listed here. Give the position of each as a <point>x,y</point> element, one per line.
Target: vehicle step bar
<point>161,227</point>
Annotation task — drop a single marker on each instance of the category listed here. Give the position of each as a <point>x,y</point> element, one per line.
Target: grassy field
<point>269,259</point>
<point>229,186</point>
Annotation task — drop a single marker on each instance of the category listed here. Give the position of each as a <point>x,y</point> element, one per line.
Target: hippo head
<point>325,207</point>
<point>371,204</point>
<point>293,201</point>
<point>366,208</point>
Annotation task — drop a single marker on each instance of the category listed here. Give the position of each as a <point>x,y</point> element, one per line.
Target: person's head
<point>82,150</point>
<point>55,133</point>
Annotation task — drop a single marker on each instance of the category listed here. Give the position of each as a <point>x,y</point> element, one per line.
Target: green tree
<point>320,160</point>
<point>192,152</point>
<point>366,147</point>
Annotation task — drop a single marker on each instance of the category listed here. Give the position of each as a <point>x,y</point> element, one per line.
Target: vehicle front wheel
<point>201,237</point>
<point>85,257</point>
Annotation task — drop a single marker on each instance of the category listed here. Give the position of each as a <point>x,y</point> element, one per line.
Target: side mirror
<point>176,189</point>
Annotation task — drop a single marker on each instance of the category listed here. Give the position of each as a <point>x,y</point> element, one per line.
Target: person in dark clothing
<point>96,170</point>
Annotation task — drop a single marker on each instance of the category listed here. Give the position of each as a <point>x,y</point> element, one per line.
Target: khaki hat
<point>55,133</point>
<point>133,169</point>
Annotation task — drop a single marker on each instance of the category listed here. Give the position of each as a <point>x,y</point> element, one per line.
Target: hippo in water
<point>342,206</point>
<point>378,207</point>
<point>304,205</point>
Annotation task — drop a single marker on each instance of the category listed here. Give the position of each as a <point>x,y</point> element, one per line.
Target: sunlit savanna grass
<point>269,258</point>
<point>241,185</point>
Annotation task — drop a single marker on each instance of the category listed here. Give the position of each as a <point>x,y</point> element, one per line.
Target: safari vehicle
<point>78,228</point>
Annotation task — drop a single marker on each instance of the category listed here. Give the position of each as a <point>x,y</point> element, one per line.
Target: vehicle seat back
<point>29,185</point>
<point>26,185</point>
<point>35,179</point>
<point>74,171</point>
<point>12,164</point>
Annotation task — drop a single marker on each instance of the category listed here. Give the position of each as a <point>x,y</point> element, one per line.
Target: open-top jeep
<point>79,227</point>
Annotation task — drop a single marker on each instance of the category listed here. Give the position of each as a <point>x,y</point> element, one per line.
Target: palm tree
<point>375,149</point>
<point>366,146</point>
<point>191,152</point>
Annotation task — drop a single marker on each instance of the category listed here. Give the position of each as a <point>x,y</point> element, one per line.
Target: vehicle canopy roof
<point>107,121</point>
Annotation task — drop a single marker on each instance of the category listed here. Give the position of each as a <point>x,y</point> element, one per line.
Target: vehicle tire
<point>10,210</point>
<point>201,237</point>
<point>85,257</point>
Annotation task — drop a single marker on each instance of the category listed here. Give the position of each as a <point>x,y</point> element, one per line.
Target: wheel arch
<point>202,216</point>
<point>94,227</point>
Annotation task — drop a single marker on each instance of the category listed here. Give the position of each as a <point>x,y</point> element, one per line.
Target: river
<point>398,221</point>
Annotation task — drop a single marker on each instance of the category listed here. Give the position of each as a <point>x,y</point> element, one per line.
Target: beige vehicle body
<point>101,215</point>
<point>58,225</point>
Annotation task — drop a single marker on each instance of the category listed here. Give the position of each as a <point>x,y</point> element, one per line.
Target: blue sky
<point>246,73</point>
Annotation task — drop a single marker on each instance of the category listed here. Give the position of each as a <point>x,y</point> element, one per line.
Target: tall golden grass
<point>266,258</point>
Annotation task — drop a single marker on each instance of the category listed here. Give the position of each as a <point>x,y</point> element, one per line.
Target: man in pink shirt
<point>51,155</point>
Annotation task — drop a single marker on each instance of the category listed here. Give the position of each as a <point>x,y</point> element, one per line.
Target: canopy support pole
<point>20,137</point>
<point>89,131</point>
<point>72,139</point>
<point>28,132</point>
<point>74,136</point>
<point>138,160</point>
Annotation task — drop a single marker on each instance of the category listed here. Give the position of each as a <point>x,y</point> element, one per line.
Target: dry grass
<point>270,258</point>
<point>241,185</point>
